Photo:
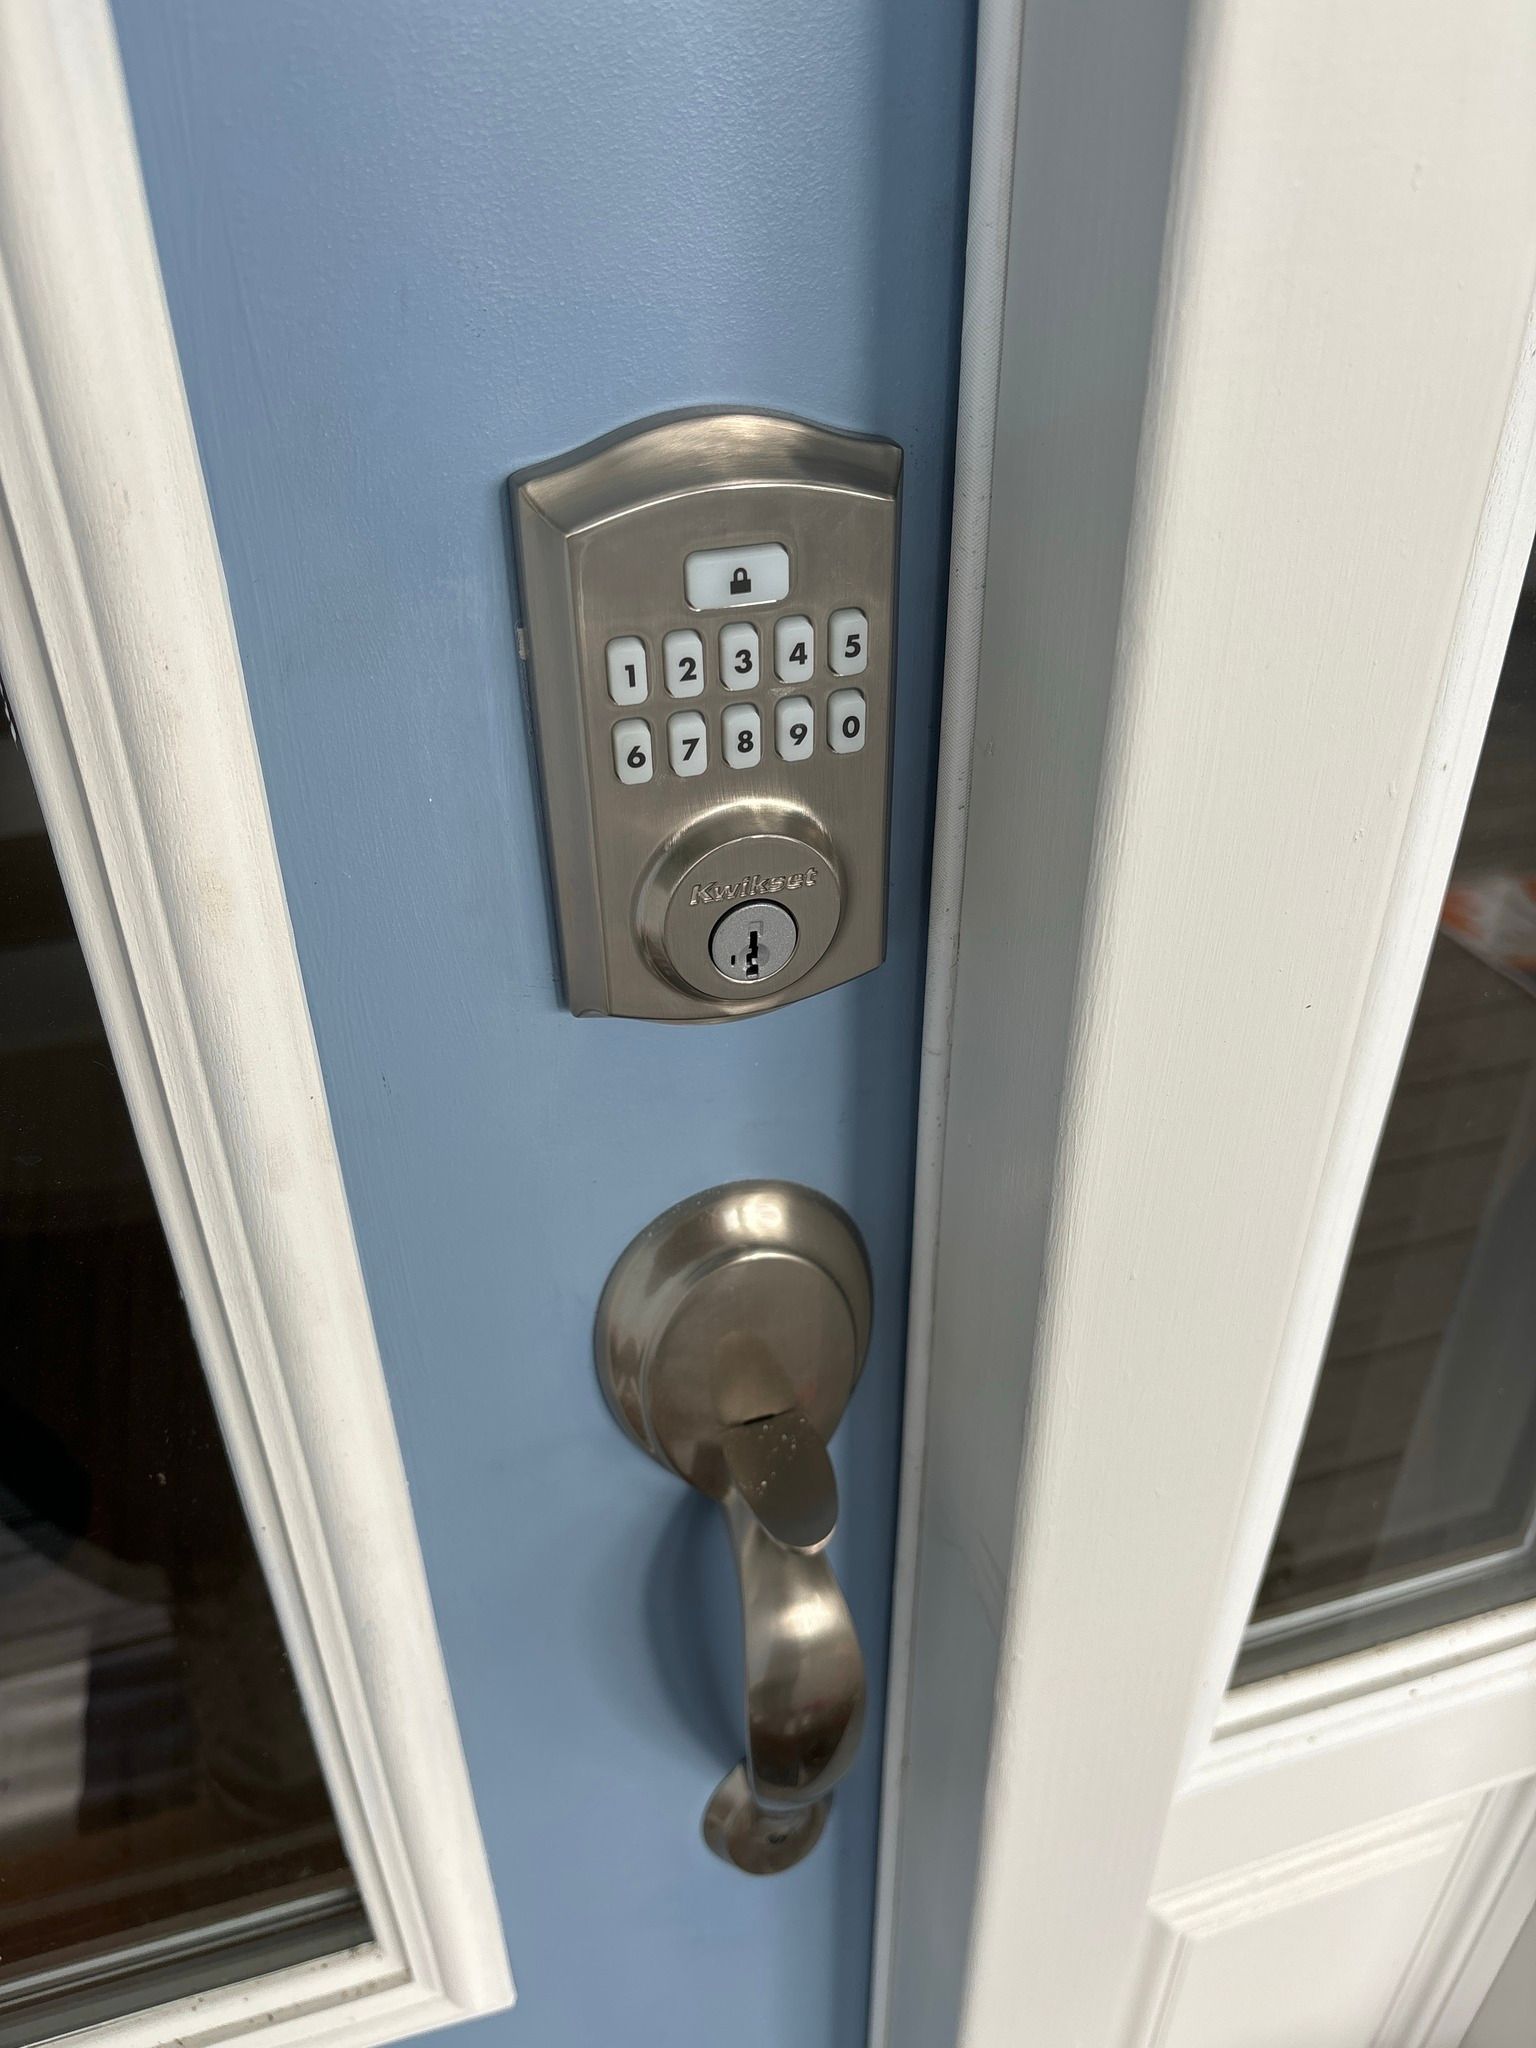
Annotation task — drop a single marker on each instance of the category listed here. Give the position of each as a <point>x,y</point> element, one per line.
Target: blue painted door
<point>408,249</point>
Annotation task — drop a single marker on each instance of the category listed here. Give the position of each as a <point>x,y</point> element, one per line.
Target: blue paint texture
<point>409,248</point>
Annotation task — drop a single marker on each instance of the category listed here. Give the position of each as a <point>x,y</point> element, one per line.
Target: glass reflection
<point>163,1821</point>
<point>1414,1497</point>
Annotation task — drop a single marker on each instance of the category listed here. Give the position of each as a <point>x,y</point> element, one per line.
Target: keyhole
<point>753,942</point>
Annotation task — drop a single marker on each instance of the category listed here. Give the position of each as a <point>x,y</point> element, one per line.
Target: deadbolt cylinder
<point>771,860</point>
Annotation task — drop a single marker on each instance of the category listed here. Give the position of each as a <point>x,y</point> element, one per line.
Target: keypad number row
<point>741,736</point>
<point>682,656</point>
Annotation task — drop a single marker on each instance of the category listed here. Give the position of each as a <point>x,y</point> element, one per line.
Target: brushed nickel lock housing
<point>709,619</point>
<point>729,1339</point>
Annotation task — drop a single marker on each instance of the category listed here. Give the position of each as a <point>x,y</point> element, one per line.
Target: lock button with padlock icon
<point>752,572</point>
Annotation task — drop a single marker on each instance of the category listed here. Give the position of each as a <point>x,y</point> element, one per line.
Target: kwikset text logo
<point>751,885</point>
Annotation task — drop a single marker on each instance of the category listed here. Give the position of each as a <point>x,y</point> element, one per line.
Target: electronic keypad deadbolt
<point>709,607</point>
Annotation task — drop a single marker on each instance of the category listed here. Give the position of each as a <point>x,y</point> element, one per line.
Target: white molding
<point>999,29</point>
<point>121,663</point>
<point>1286,1699</point>
<point>1473,1926</point>
<point>1266,341</point>
<point>1425,1747</point>
<point>1473,1845</point>
<point>1495,1691</point>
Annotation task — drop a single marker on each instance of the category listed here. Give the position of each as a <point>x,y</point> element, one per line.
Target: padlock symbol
<point>741,583</point>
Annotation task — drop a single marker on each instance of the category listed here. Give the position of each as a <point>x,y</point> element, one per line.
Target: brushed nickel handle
<point>729,1338</point>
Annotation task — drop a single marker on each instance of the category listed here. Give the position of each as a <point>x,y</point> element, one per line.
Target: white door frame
<point>121,665</point>
<point>1259,500</point>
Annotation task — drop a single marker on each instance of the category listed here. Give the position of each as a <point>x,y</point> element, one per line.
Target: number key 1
<point>628,682</point>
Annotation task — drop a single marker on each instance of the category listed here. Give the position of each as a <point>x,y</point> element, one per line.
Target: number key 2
<point>682,657</point>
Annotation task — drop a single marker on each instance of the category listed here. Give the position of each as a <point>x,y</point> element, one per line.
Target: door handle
<point>729,1338</point>
<point>803,1669</point>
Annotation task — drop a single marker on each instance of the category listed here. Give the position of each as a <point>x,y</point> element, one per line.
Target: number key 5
<point>848,643</point>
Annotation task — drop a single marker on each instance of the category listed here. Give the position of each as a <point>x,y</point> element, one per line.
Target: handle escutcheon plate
<point>729,1338</point>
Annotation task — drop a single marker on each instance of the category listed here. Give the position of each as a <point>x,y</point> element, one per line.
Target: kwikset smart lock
<point>709,612</point>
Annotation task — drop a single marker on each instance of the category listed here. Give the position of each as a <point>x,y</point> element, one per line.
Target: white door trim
<point>1466,1724</point>
<point>121,664</point>
<point>999,28</point>
<point>1223,741</point>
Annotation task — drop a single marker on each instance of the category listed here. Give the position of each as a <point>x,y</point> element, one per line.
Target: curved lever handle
<point>804,1670</point>
<point>755,1297</point>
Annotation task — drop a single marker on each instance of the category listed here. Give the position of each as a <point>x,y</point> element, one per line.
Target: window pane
<point>1413,1497</point>
<point>163,1821</point>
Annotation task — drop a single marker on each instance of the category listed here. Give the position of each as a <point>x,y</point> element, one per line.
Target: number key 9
<point>794,728</point>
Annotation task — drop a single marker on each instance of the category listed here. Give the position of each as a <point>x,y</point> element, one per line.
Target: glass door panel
<point>164,1825</point>
<point>1414,1496</point>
